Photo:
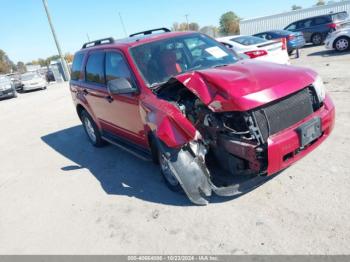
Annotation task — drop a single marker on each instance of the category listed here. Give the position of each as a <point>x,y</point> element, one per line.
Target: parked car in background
<point>49,76</point>
<point>339,40</point>
<point>16,81</point>
<point>7,88</point>
<point>188,103</point>
<point>316,29</point>
<point>33,81</point>
<point>257,48</point>
<point>295,40</point>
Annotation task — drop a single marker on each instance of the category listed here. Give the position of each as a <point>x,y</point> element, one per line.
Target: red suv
<point>213,122</point>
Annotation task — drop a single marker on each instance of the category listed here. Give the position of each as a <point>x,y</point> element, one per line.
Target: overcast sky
<point>26,35</point>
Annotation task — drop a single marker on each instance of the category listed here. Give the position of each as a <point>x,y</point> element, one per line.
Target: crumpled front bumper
<point>284,148</point>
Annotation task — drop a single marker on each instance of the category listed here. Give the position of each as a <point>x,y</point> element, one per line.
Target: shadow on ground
<point>328,53</point>
<point>118,172</point>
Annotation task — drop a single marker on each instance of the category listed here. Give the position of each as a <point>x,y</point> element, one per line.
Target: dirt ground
<point>59,195</point>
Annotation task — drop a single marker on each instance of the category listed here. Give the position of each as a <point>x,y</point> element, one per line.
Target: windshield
<point>159,61</point>
<point>248,40</point>
<point>4,80</point>
<point>27,77</point>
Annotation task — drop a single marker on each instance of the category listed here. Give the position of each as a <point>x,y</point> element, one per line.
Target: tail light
<point>332,26</point>
<point>284,43</point>
<point>256,53</point>
<point>290,37</point>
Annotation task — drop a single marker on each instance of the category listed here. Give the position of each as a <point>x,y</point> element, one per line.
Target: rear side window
<point>320,20</point>
<point>248,40</point>
<point>94,71</point>
<point>76,67</point>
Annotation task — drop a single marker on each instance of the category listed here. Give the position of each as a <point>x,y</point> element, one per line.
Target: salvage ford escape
<point>213,122</point>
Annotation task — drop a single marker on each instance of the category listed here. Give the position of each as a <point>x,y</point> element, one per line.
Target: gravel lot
<point>60,195</point>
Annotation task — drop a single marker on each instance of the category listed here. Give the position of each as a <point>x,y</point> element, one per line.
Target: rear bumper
<point>284,147</point>
<point>32,87</point>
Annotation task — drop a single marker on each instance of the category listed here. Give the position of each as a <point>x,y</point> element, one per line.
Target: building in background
<point>279,21</point>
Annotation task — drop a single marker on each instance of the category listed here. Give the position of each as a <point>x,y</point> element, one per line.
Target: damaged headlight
<point>319,88</point>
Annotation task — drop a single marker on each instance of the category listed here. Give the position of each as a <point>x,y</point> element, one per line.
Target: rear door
<point>305,26</point>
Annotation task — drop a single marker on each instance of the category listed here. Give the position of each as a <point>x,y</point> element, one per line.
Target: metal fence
<point>279,21</point>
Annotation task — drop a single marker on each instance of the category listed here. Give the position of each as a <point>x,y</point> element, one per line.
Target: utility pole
<point>188,25</point>
<point>63,61</point>
<point>122,22</point>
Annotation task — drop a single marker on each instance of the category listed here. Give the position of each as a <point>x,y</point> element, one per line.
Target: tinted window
<point>116,67</point>
<point>95,68</point>
<point>291,27</point>
<point>76,67</point>
<point>304,23</point>
<point>248,40</point>
<point>320,21</point>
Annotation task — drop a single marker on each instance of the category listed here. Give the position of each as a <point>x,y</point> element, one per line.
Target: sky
<point>25,33</point>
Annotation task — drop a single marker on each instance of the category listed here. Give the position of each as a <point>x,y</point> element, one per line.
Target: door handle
<point>109,99</point>
<point>85,92</point>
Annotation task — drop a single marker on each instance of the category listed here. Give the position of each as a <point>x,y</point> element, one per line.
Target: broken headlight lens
<point>319,88</point>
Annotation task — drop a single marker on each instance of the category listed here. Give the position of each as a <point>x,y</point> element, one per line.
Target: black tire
<point>90,126</point>
<point>317,39</point>
<point>342,44</point>
<point>169,178</point>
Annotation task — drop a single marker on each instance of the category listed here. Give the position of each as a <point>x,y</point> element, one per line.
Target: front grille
<point>286,112</point>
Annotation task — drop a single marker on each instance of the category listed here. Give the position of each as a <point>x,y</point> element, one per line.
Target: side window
<point>291,27</point>
<point>116,67</point>
<point>320,21</point>
<point>268,37</point>
<point>94,71</point>
<point>76,67</point>
<point>306,23</point>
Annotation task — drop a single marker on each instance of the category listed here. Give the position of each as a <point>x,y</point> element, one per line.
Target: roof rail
<point>102,41</point>
<point>149,32</point>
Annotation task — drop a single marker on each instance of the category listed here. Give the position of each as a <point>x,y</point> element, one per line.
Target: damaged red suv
<point>212,122</point>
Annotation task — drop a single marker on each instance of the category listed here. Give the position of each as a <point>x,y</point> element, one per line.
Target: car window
<point>320,21</point>
<point>248,40</point>
<point>116,67</point>
<point>304,23</point>
<point>291,27</point>
<point>340,16</point>
<point>95,68</point>
<point>76,67</point>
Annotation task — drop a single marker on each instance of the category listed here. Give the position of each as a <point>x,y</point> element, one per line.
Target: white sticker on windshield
<point>217,52</point>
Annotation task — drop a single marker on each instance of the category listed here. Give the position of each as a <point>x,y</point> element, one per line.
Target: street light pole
<point>63,61</point>
<point>188,25</point>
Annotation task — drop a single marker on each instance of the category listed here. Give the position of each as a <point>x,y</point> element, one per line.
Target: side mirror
<point>120,86</point>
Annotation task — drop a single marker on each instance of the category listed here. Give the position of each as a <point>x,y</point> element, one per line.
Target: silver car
<point>33,81</point>
<point>7,89</point>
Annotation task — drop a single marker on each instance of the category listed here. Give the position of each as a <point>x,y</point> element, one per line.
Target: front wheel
<point>341,44</point>
<point>168,173</point>
<point>92,130</point>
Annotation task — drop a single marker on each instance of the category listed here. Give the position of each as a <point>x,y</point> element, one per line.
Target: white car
<point>257,48</point>
<point>33,81</point>
<point>339,39</point>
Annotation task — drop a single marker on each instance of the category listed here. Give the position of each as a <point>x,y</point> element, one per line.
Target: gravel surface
<point>59,195</point>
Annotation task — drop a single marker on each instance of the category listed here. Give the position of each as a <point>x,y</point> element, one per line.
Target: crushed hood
<point>246,84</point>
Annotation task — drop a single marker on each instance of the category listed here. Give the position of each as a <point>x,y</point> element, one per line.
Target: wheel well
<point>342,36</point>
<point>80,109</point>
<point>153,146</point>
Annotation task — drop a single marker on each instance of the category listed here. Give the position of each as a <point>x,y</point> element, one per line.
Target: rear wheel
<point>341,44</point>
<point>91,130</point>
<point>316,39</point>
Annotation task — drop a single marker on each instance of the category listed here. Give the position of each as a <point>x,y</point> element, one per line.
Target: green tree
<point>5,63</point>
<point>229,23</point>
<point>320,2</point>
<point>21,68</point>
<point>296,7</point>
<point>193,26</point>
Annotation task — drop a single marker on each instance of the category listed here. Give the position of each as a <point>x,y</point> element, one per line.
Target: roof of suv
<point>133,40</point>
